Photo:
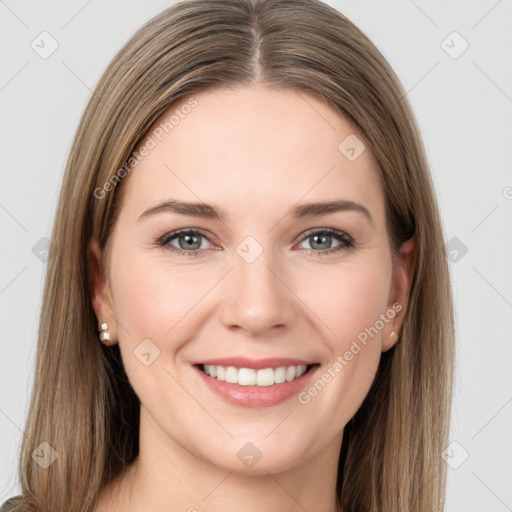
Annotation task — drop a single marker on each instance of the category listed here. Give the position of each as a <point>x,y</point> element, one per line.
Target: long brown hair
<point>82,404</point>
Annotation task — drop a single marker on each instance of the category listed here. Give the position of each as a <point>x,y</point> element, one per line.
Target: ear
<point>403,274</point>
<point>99,289</point>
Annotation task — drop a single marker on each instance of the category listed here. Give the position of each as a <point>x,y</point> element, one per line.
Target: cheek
<point>348,299</point>
<point>140,299</point>
<point>149,294</point>
<point>157,301</point>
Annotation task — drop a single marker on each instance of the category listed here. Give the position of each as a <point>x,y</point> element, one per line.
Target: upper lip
<point>256,364</point>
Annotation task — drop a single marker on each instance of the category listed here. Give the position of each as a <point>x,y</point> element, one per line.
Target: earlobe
<point>389,340</point>
<point>403,275</point>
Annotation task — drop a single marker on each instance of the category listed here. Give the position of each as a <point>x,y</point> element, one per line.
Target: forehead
<point>252,146</point>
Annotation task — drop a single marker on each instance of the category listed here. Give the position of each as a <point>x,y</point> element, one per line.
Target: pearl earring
<point>104,334</point>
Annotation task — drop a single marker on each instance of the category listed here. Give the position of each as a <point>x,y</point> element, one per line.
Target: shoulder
<point>11,505</point>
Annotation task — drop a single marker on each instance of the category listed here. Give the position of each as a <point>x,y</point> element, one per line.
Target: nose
<point>258,298</point>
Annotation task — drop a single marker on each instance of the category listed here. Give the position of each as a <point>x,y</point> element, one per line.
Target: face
<point>266,278</point>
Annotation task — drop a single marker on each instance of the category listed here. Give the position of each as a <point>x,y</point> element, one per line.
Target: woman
<point>198,351</point>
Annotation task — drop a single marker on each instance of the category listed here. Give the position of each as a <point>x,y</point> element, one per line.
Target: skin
<point>255,153</point>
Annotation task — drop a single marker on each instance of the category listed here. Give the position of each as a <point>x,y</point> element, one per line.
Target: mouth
<point>256,384</point>
<point>262,377</point>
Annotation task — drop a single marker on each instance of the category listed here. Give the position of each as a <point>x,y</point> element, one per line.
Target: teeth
<point>251,377</point>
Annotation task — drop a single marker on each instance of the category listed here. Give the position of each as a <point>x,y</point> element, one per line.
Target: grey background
<point>464,108</point>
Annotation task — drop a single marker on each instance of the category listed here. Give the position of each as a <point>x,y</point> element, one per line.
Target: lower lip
<point>256,396</point>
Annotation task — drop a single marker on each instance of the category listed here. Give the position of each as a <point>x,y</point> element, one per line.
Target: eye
<point>188,240</point>
<point>321,240</point>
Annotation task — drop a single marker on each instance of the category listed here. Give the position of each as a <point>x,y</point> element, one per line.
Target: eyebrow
<point>301,211</point>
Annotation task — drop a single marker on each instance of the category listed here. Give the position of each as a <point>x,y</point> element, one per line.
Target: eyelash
<point>346,241</point>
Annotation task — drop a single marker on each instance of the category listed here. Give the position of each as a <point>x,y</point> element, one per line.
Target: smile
<point>252,377</point>
<point>254,383</point>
